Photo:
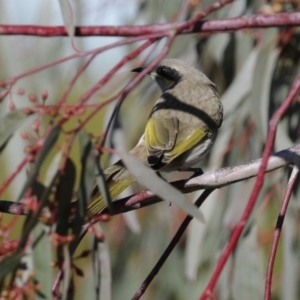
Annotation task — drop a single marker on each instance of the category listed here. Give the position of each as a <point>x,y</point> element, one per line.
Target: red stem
<point>128,88</point>
<point>277,232</point>
<point>13,80</point>
<point>258,184</point>
<point>118,66</point>
<point>222,25</point>
<point>15,173</point>
<point>74,79</point>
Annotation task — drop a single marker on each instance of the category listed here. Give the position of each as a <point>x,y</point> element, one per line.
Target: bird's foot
<point>197,172</point>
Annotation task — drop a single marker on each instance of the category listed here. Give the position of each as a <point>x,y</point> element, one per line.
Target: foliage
<point>56,139</point>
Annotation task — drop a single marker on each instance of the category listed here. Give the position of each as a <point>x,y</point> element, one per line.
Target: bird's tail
<point>117,180</point>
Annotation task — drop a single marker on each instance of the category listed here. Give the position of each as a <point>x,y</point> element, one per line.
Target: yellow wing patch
<point>192,140</point>
<point>154,143</point>
<point>115,188</point>
<point>151,136</point>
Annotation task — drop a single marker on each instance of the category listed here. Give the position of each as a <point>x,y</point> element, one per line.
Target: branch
<point>209,180</point>
<point>256,190</point>
<point>278,228</point>
<point>170,247</point>
<point>223,25</point>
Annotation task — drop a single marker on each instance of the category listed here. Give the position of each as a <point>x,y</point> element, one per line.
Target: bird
<point>181,128</point>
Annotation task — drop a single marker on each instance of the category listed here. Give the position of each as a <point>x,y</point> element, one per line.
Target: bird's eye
<point>164,70</point>
<point>168,73</point>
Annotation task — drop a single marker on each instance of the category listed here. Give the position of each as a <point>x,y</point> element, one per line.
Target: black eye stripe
<point>168,73</point>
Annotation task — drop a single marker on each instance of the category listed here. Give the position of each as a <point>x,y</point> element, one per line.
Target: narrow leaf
<point>64,196</point>
<point>42,258</point>
<point>102,186</point>
<point>68,17</point>
<point>261,85</point>
<point>249,274</point>
<point>48,144</point>
<point>67,273</point>
<point>9,124</point>
<point>102,269</point>
<point>241,85</point>
<point>9,264</point>
<point>87,178</point>
<point>148,178</point>
<point>33,217</point>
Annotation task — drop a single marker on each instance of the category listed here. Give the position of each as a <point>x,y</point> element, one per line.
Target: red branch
<point>254,21</point>
<point>123,92</point>
<point>279,224</point>
<point>18,169</point>
<point>258,185</point>
<point>7,247</point>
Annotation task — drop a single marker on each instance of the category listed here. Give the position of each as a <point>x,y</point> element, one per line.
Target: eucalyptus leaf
<point>102,268</point>
<point>42,259</point>
<point>196,242</point>
<point>8,264</point>
<point>149,179</point>
<point>46,148</point>
<point>263,72</point>
<point>242,84</point>
<point>68,17</point>
<point>87,178</point>
<point>9,124</point>
<point>64,196</point>
<point>249,273</point>
<point>33,216</point>
<point>290,284</point>
<point>102,186</point>
<point>67,278</point>
<point>217,45</point>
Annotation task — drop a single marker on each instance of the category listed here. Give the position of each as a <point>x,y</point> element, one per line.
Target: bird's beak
<point>153,75</point>
<point>138,70</point>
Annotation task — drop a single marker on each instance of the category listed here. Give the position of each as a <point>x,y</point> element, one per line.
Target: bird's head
<point>167,74</point>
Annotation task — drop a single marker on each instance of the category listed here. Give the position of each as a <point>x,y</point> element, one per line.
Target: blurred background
<point>254,71</point>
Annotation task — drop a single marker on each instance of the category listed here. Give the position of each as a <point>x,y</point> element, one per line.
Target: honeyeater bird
<point>180,130</point>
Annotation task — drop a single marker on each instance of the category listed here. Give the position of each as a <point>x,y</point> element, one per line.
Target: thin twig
<point>211,179</point>
<point>127,89</point>
<point>13,80</point>
<point>170,247</point>
<point>278,228</point>
<point>257,187</point>
<point>18,169</point>
<point>65,95</point>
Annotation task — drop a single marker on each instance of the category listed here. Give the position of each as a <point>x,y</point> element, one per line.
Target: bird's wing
<point>117,179</point>
<point>167,139</point>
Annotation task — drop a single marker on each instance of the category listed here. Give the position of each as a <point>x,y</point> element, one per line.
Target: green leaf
<point>261,84</point>
<point>217,44</point>
<point>47,146</point>
<point>241,86</point>
<point>9,264</point>
<point>9,124</point>
<point>86,185</point>
<point>68,17</point>
<point>102,268</point>
<point>102,186</point>
<point>67,278</point>
<point>64,196</point>
<point>249,271</point>
<point>149,179</point>
<point>33,217</point>
<point>42,259</point>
